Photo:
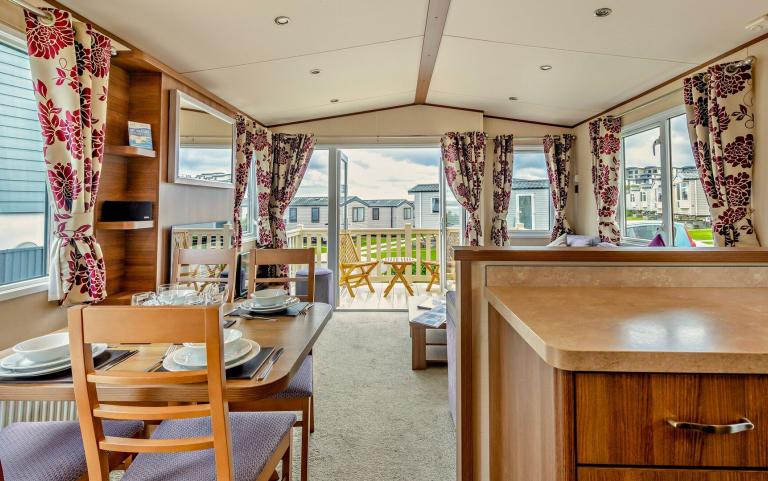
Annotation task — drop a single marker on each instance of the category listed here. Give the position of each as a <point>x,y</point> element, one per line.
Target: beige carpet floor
<point>377,420</point>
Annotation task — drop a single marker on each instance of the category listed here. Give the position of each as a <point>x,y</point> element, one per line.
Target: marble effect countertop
<point>669,329</point>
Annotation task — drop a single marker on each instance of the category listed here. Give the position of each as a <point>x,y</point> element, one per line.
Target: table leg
<point>391,284</point>
<point>401,275</point>
<point>418,348</point>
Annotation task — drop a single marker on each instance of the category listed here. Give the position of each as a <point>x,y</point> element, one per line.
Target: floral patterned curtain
<point>244,148</point>
<point>557,151</point>
<point>282,160</point>
<point>604,137</point>
<point>70,73</point>
<point>503,151</point>
<point>721,123</point>
<point>464,165</point>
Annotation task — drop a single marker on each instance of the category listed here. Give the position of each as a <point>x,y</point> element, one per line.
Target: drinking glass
<point>173,294</point>
<point>216,293</point>
<point>144,298</point>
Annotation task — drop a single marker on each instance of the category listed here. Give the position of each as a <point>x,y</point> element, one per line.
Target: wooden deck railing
<point>375,244</point>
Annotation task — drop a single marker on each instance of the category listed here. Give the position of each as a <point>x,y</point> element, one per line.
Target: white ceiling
<point>369,51</point>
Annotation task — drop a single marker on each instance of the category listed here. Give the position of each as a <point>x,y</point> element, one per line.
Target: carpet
<point>376,419</point>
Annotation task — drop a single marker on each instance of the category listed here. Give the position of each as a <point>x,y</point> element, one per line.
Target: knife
<point>272,360</point>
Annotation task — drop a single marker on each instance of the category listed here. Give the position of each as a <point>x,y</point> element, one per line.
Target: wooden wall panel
<point>531,411</point>
<point>639,474</point>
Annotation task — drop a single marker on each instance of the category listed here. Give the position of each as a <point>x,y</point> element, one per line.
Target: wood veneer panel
<point>638,474</point>
<point>625,254</point>
<point>531,414</point>
<point>622,419</point>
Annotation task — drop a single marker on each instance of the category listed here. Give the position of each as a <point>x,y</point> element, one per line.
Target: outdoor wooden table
<point>296,335</point>
<point>399,264</point>
<point>433,268</point>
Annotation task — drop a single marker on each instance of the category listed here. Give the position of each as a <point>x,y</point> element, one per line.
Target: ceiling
<point>369,51</point>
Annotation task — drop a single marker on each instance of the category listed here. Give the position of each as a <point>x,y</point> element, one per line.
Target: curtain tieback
<point>74,226</point>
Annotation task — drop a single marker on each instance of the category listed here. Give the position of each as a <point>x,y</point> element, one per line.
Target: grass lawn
<point>701,234</point>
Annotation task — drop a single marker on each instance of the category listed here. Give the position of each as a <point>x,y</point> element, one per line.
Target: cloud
<point>529,165</point>
<point>194,161</point>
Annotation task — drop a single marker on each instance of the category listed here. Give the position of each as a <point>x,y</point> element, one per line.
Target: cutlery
<point>272,360</point>
<point>307,308</point>
<point>117,361</point>
<point>260,318</point>
<point>171,349</point>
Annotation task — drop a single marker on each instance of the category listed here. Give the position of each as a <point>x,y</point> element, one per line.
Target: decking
<point>397,299</point>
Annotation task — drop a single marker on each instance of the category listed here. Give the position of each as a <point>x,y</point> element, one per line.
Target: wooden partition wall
<point>481,347</point>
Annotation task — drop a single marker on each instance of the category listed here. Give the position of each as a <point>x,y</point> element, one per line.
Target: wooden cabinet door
<point>636,474</point>
<point>622,419</point>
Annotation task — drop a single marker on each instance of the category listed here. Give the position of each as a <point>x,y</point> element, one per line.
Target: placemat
<point>107,357</point>
<point>247,370</point>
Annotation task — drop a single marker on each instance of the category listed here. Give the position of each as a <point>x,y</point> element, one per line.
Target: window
<point>315,215</point>
<point>643,197</point>
<point>656,154</point>
<point>530,204</point>
<point>358,214</point>
<point>435,205</point>
<point>407,213</point>
<point>247,222</point>
<point>375,213</point>
<point>23,203</point>
<point>292,215</point>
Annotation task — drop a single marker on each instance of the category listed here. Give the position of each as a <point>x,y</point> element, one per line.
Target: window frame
<point>375,214</point>
<point>533,232</point>
<point>407,213</point>
<point>358,209</point>
<point>433,205</point>
<point>533,210</point>
<point>662,121</point>
<point>314,219</point>
<point>293,215</point>
<point>16,40</point>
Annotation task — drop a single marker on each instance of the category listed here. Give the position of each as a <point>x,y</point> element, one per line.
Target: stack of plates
<point>256,306</point>
<point>184,360</point>
<point>17,365</point>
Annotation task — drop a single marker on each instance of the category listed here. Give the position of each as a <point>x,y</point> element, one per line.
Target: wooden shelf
<point>127,225</point>
<point>128,151</point>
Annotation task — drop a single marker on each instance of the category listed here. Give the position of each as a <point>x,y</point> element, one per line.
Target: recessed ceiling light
<point>603,12</point>
<point>545,67</point>
<point>513,98</point>
<point>333,101</point>
<point>282,20</point>
<point>315,71</point>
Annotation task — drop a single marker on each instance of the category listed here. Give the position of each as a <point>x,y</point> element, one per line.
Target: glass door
<point>452,222</point>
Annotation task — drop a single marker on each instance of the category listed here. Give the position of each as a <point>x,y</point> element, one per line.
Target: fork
<point>171,349</point>
<point>307,308</point>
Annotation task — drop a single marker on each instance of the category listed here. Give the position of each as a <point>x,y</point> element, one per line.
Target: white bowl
<point>231,344</point>
<point>45,348</point>
<point>270,297</point>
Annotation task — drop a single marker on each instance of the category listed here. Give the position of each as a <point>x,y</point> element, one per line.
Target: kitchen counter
<point>649,330</point>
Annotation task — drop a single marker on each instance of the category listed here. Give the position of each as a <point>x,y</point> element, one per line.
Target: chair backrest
<point>203,238</point>
<point>215,261</point>
<point>347,250</point>
<point>282,257</point>
<point>138,324</point>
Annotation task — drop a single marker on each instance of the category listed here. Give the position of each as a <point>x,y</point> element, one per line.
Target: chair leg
<point>305,421</point>
<point>311,415</point>
<point>288,459</point>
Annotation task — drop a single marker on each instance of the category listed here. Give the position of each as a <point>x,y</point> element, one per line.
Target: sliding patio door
<point>452,222</point>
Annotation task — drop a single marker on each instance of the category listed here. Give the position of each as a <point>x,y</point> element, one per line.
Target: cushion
<point>559,242</point>
<point>255,437</point>
<point>657,241</point>
<point>573,240</point>
<point>301,384</point>
<point>51,451</point>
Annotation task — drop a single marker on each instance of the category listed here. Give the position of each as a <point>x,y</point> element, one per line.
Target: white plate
<point>171,366</point>
<point>183,357</point>
<point>252,306</point>
<point>98,349</point>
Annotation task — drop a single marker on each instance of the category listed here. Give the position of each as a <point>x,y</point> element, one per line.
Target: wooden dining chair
<point>298,396</point>
<point>216,445</point>
<point>269,257</point>
<point>216,261</point>
<point>353,271</point>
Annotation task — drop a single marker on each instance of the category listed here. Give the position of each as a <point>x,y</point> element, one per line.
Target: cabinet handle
<point>744,425</point>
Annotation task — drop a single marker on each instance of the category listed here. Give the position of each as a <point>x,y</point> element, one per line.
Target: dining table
<point>296,335</point>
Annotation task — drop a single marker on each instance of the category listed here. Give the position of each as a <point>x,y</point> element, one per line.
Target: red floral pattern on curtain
<point>604,138</point>
<point>244,150</point>
<point>503,151</point>
<point>70,73</point>
<point>721,126</point>
<point>282,160</point>
<point>557,150</point>
<point>464,165</point>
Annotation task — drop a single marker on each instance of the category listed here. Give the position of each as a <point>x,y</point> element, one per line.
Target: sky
<point>194,161</point>
<point>389,173</point>
<point>638,149</point>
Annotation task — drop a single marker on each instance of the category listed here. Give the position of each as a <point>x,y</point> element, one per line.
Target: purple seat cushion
<point>301,384</point>
<point>51,451</point>
<point>255,437</point>
<point>657,241</point>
